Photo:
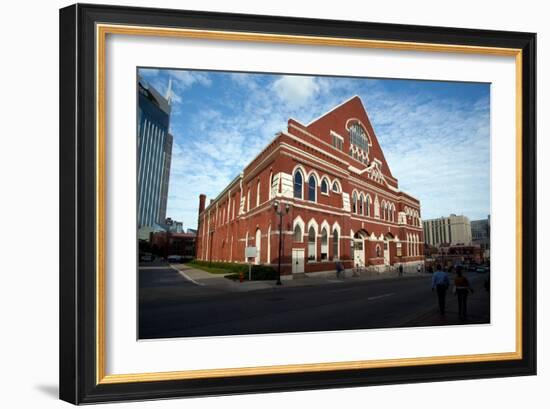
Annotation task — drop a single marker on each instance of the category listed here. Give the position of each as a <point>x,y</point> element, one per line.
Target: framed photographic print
<point>257,203</point>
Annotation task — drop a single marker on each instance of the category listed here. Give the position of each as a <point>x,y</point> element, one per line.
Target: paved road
<point>171,306</point>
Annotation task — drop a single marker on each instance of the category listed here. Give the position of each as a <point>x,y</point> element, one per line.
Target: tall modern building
<point>154,152</point>
<point>481,232</point>
<point>448,230</point>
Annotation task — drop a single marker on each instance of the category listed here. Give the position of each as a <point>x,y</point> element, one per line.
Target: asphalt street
<point>172,306</point>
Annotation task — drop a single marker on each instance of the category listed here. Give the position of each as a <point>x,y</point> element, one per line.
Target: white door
<point>386,252</point>
<point>297,261</point>
<point>359,253</point>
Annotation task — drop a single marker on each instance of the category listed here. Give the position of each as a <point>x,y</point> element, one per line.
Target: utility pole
<point>280,212</point>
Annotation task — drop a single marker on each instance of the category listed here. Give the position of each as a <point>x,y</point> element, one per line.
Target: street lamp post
<point>280,212</point>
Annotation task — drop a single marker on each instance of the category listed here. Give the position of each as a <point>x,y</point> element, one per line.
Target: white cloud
<point>296,90</point>
<point>438,148</point>
<point>185,79</point>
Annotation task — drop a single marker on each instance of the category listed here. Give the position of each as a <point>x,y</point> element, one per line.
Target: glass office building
<point>154,152</point>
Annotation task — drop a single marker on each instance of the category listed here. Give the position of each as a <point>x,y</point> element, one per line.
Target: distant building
<point>481,235</point>
<point>481,232</point>
<point>447,230</point>
<point>166,244</point>
<point>144,232</point>
<point>154,152</point>
<point>173,226</point>
<point>454,255</point>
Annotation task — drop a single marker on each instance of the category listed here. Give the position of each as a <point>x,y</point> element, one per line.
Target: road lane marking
<point>376,297</point>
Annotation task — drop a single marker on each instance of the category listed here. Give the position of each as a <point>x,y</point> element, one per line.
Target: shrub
<point>259,272</point>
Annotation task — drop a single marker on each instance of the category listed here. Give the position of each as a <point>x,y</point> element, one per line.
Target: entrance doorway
<point>297,261</point>
<point>386,252</point>
<point>359,248</point>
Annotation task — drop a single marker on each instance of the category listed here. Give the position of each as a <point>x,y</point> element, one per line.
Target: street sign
<point>250,252</point>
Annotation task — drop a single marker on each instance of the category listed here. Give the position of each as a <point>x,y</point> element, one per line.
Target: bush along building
<point>343,202</point>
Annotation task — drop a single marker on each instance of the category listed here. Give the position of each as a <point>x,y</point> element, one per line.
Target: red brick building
<point>345,203</point>
<point>166,244</point>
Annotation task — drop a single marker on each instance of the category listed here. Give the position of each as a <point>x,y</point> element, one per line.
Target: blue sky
<point>435,135</point>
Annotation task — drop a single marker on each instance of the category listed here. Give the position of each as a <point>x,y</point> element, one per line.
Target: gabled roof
<point>336,120</point>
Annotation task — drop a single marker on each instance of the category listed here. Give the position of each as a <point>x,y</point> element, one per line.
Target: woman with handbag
<point>462,288</point>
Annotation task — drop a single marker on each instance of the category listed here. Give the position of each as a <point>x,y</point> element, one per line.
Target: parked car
<point>146,257</point>
<point>482,270</point>
<point>175,258</point>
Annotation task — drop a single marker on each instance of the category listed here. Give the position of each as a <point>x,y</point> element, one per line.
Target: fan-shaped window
<point>335,187</point>
<point>324,186</point>
<point>358,137</point>
<point>298,184</point>
<point>311,244</point>
<point>324,245</point>
<point>311,188</point>
<point>298,235</point>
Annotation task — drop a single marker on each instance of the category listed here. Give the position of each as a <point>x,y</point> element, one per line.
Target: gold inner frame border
<point>102,30</point>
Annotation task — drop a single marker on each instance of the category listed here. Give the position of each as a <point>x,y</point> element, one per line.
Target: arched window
<point>311,188</point>
<point>268,258</point>
<point>335,187</point>
<point>298,182</point>
<point>361,204</point>
<point>324,186</point>
<point>258,194</point>
<point>335,238</point>
<point>258,246</point>
<point>324,244</point>
<point>377,251</point>
<point>311,244</point>
<point>358,137</point>
<point>354,203</point>
<point>367,205</point>
<point>270,187</point>
<point>298,235</point>
<point>245,245</point>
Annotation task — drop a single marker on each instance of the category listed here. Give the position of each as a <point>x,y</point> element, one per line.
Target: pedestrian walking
<point>440,283</point>
<point>339,268</point>
<point>462,288</point>
<point>400,270</point>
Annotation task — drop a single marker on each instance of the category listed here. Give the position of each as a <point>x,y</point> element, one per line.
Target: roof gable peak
<point>346,102</point>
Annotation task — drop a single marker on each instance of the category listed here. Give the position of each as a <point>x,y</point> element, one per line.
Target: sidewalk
<point>478,307</point>
<point>218,281</point>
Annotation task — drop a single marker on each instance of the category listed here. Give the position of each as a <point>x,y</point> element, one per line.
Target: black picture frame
<point>78,197</point>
